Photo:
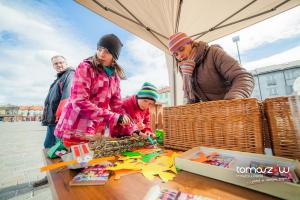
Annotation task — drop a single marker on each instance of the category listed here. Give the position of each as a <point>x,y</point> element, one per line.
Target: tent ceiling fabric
<point>155,20</point>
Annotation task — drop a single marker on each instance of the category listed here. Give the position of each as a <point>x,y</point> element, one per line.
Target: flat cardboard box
<point>285,190</point>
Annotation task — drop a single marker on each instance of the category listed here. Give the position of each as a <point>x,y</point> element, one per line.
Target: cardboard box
<point>233,174</point>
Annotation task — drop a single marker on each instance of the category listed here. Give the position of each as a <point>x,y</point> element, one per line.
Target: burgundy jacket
<point>130,105</point>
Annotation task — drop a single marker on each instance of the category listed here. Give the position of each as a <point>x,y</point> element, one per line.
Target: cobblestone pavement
<point>20,160</point>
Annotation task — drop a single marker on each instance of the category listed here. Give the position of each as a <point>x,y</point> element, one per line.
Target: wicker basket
<point>234,125</point>
<point>282,125</point>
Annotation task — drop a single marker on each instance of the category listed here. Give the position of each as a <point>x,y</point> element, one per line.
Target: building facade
<point>11,113</point>
<point>165,96</point>
<point>275,80</point>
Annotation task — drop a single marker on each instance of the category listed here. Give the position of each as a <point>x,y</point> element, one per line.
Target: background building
<point>275,80</point>
<point>165,96</point>
<point>11,113</point>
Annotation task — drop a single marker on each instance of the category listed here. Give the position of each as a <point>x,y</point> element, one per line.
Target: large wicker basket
<point>234,125</point>
<point>282,125</point>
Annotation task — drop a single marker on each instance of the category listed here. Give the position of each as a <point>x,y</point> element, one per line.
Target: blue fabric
<point>109,71</point>
<point>50,139</point>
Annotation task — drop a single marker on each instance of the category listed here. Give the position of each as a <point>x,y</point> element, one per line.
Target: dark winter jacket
<point>219,76</point>
<point>59,90</point>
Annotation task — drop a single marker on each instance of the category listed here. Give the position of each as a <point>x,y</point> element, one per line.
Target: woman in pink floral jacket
<point>95,89</point>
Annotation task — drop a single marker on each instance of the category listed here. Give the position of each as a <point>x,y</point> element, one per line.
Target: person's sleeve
<point>66,90</point>
<point>241,82</point>
<point>81,94</point>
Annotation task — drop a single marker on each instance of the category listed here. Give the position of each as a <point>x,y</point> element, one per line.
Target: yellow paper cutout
<point>166,176</point>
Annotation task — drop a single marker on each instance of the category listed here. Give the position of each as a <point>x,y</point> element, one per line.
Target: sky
<point>31,32</point>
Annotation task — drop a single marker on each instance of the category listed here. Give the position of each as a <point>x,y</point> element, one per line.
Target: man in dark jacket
<point>57,96</point>
<point>208,72</point>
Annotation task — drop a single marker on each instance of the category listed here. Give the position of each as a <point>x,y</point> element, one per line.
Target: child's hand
<point>140,126</point>
<point>149,133</point>
<point>143,135</point>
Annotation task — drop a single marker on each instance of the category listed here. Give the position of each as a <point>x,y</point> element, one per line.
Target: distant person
<point>208,72</point>
<point>57,96</point>
<point>95,99</point>
<point>137,107</point>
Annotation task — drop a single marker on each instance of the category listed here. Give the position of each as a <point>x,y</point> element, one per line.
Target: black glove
<point>120,120</point>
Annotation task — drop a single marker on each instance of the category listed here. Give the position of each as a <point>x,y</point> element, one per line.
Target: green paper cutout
<point>131,154</point>
<point>148,157</point>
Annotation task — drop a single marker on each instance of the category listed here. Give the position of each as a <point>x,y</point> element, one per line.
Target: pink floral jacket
<point>87,110</point>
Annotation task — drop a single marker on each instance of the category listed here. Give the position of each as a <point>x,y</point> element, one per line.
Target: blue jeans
<point>50,138</point>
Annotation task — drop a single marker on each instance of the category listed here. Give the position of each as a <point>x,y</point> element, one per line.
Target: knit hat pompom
<point>112,43</point>
<point>148,91</point>
<point>177,41</point>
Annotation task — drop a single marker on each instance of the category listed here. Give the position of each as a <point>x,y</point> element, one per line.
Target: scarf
<point>109,70</point>
<point>198,52</point>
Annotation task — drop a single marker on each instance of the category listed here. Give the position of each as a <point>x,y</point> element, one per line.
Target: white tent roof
<point>155,20</point>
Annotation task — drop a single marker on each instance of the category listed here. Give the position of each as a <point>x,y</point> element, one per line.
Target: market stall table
<point>135,186</point>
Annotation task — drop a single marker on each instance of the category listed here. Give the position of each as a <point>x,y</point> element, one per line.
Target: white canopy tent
<point>155,20</point>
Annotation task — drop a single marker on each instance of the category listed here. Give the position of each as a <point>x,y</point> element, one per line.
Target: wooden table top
<point>135,186</point>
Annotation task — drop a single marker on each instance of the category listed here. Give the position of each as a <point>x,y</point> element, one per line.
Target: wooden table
<point>135,186</point>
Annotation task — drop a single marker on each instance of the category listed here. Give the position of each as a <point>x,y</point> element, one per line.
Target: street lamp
<point>236,39</point>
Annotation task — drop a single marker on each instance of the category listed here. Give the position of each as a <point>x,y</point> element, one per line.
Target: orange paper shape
<point>202,158</point>
<point>124,172</point>
<point>167,153</point>
<point>72,162</point>
<point>214,154</point>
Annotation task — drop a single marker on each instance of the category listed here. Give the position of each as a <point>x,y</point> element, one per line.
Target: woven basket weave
<point>282,125</point>
<point>227,124</point>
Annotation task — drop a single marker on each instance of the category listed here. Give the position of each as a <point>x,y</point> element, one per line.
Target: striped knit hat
<point>178,40</point>
<point>148,91</point>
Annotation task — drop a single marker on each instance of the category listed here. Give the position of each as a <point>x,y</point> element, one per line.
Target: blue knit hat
<point>148,91</point>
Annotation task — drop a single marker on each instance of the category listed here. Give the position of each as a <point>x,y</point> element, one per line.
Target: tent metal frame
<point>180,3</point>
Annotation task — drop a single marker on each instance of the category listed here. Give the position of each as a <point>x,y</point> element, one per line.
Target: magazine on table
<point>92,175</point>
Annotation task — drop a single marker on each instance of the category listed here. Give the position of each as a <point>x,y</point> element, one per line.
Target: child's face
<point>104,56</point>
<point>145,103</point>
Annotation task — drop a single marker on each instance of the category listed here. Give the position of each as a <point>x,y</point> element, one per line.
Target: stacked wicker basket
<point>236,125</point>
<point>283,117</point>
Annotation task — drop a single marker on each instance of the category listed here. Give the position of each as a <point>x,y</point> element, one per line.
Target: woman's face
<point>183,52</point>
<point>104,56</point>
<point>145,103</point>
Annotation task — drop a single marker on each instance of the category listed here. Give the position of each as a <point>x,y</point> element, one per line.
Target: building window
<point>289,89</point>
<point>273,91</point>
<point>271,80</point>
<point>288,74</point>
